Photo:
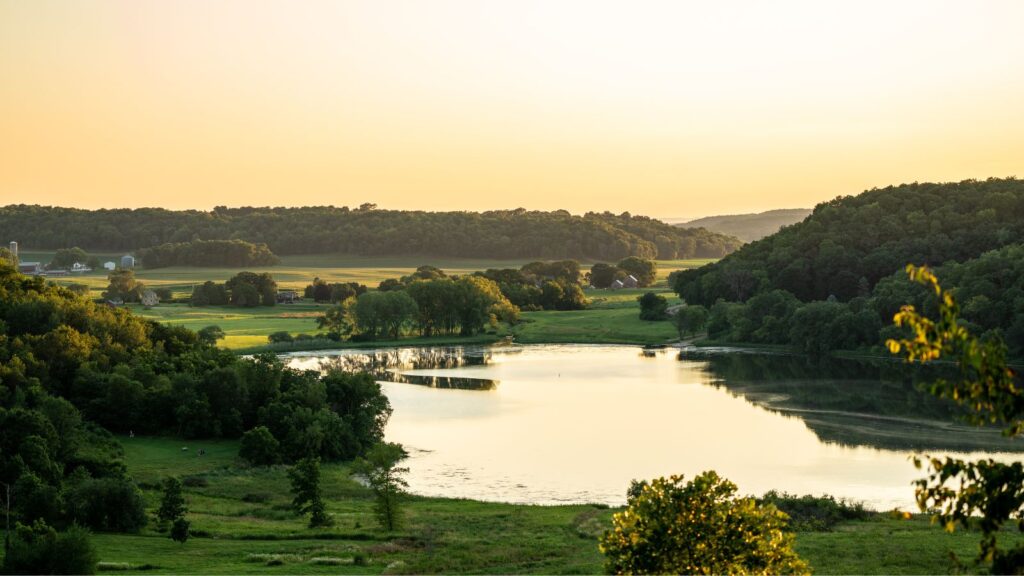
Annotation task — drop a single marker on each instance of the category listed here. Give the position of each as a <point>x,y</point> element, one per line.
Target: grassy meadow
<point>243,525</point>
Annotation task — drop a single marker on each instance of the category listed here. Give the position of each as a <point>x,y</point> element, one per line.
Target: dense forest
<point>835,280</point>
<point>215,253</point>
<point>369,231</point>
<point>750,227</point>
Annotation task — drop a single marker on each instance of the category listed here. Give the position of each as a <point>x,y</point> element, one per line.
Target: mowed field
<point>612,317</point>
<point>242,524</point>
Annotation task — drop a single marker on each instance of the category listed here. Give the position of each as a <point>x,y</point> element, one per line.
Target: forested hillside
<point>368,231</point>
<point>750,227</point>
<point>835,280</point>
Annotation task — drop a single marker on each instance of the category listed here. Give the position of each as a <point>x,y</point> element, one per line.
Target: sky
<point>673,109</point>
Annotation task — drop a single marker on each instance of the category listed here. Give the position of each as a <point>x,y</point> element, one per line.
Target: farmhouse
<point>287,297</point>
<point>109,266</point>
<point>630,281</point>
<point>617,285</point>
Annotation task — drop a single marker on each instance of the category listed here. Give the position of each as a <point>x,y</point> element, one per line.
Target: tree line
<point>217,253</point>
<point>369,231</point>
<point>834,281</point>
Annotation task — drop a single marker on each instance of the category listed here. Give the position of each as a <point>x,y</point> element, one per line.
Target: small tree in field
<point>985,385</point>
<point>698,527</point>
<point>690,320</point>
<point>172,503</point>
<point>259,447</point>
<point>305,479</point>
<point>380,467</point>
<point>180,530</point>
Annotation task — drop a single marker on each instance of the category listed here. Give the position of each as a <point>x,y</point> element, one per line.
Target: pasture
<point>242,524</point>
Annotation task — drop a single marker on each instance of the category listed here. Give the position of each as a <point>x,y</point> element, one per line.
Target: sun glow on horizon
<point>671,109</point>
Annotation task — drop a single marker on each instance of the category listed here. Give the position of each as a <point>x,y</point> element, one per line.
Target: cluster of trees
<point>225,253</point>
<point>645,271</point>
<point>431,304</point>
<point>68,257</point>
<point>245,289</point>
<point>834,280</point>
<point>323,291</point>
<point>366,230</point>
<point>72,371</point>
<point>541,285</point>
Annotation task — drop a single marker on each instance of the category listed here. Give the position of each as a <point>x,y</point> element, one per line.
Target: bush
<point>280,337</point>
<point>652,306</point>
<point>259,447</point>
<point>107,505</point>
<point>698,527</point>
<point>39,549</point>
<point>815,513</point>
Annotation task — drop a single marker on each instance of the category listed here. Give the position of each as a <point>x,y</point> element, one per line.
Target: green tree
<point>338,319</point>
<point>690,319</point>
<point>180,530</point>
<point>602,275</point>
<point>259,447</point>
<point>123,286</point>
<point>307,499</point>
<point>39,549</point>
<point>172,503</point>
<point>381,470</point>
<point>282,336</point>
<point>698,527</point>
<point>645,271</point>
<point>8,257</point>
<point>210,335</point>
<point>961,490</point>
<point>66,257</point>
<point>652,306</point>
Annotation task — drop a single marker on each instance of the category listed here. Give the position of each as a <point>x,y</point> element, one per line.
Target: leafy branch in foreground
<point>986,386</point>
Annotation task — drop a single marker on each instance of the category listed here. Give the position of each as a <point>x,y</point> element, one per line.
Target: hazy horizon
<point>673,110</point>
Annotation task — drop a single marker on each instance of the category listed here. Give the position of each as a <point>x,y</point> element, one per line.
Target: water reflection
<point>852,402</point>
<point>407,365</point>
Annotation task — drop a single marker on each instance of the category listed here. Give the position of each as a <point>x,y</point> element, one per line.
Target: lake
<point>576,423</point>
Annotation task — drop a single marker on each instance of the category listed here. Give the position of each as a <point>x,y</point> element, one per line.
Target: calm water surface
<point>575,423</point>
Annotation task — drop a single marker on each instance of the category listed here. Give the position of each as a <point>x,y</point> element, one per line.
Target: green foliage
<point>690,319</point>
<point>699,527</point>
<point>652,306</point>
<point>8,257</point>
<point>307,497</point>
<point>986,386</point>
<point>602,275</point>
<point>645,271</point>
<point>172,502</point>
<point>180,530</point>
<point>381,470</point>
<point>210,294</point>
<point>322,291</point>
<point>123,286</point>
<point>39,549</point>
<point>283,336</point>
<point>814,513</point>
<point>384,314</point>
<point>259,447</point>
<point>67,257</point>
<point>106,505</point>
<point>324,229</point>
<point>208,253</point>
<point>210,335</point>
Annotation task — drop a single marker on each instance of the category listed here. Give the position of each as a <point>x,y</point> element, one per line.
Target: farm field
<point>295,272</point>
<point>243,525</point>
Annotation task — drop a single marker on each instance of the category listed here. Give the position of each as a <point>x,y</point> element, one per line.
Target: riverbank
<point>242,525</point>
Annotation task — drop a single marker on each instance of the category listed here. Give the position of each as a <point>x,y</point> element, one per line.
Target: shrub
<point>280,337</point>
<point>107,504</point>
<point>259,447</point>
<point>815,513</point>
<point>39,549</point>
<point>698,527</point>
<point>652,306</point>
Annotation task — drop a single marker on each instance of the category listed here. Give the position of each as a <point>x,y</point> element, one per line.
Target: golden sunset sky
<point>672,109</point>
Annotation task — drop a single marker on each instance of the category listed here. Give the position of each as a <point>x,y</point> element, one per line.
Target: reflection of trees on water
<point>853,402</point>
<point>390,364</point>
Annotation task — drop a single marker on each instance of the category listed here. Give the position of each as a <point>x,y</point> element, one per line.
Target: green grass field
<point>242,525</point>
